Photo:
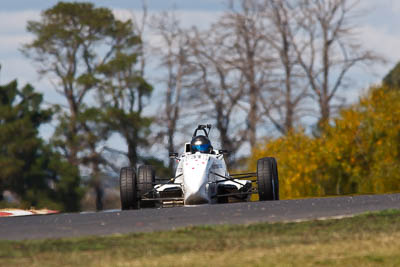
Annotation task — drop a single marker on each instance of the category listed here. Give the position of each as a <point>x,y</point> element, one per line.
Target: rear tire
<point>146,179</point>
<point>128,189</point>
<point>267,177</point>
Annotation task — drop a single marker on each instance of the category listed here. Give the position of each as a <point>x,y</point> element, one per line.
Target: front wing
<point>236,187</point>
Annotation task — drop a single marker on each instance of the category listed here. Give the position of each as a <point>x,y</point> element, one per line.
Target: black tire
<point>267,177</point>
<point>146,179</point>
<point>128,189</point>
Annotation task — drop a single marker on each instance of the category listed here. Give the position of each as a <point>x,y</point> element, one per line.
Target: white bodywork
<point>199,175</point>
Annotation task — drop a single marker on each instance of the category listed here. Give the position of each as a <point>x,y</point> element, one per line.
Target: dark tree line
<point>30,168</point>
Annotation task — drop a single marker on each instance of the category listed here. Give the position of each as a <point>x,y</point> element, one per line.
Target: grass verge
<point>371,239</point>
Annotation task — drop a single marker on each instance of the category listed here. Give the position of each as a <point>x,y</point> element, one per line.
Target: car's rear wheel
<point>267,178</point>
<point>145,182</point>
<point>128,189</point>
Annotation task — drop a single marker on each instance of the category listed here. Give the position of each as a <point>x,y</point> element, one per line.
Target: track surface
<point>106,223</point>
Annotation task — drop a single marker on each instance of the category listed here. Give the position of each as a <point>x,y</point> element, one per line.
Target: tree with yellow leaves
<point>357,154</point>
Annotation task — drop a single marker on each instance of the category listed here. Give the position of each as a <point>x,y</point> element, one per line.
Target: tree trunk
<point>98,186</point>
<point>171,148</point>
<point>325,113</point>
<point>99,196</point>
<point>289,119</point>
<point>252,118</point>
<point>132,153</point>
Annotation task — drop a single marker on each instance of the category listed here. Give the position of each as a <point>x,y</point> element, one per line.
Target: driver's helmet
<point>201,144</point>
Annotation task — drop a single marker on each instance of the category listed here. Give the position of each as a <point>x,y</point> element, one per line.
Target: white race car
<point>201,177</point>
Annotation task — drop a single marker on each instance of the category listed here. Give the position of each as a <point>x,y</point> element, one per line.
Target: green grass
<point>371,239</point>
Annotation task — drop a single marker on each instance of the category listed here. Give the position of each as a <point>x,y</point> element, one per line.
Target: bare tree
<point>218,86</point>
<point>248,53</point>
<point>325,47</point>
<point>172,49</point>
<point>282,102</point>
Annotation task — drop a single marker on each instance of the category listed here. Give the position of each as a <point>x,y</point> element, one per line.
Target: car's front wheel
<point>267,178</point>
<point>146,179</point>
<point>128,189</point>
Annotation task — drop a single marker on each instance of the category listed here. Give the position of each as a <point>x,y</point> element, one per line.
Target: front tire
<point>267,177</point>
<point>128,189</point>
<point>146,179</point>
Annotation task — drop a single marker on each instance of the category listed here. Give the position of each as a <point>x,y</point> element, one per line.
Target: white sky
<point>378,27</point>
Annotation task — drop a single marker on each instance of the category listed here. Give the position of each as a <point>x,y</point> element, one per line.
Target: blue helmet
<point>201,144</point>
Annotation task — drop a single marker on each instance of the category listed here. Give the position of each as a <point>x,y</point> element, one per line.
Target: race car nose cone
<point>195,174</point>
<point>195,191</point>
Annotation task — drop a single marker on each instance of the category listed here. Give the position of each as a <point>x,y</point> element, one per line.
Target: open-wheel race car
<point>201,177</point>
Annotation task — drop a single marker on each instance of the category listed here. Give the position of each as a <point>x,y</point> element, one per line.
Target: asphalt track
<point>145,220</point>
